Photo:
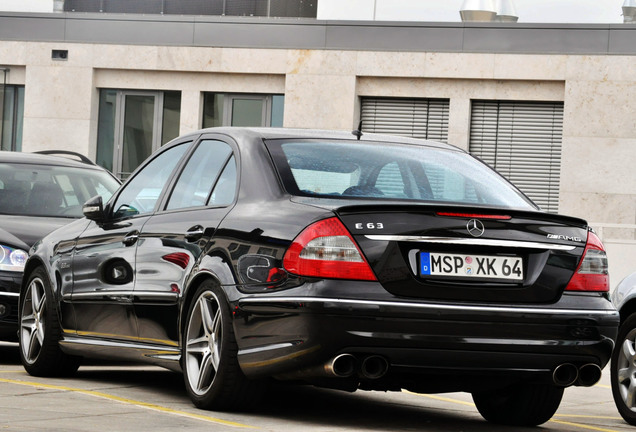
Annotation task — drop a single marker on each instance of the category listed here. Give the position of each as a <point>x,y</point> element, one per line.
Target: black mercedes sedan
<point>345,260</point>
<point>38,194</point>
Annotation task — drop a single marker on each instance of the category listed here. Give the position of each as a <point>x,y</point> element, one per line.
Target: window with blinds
<point>416,118</point>
<point>522,141</point>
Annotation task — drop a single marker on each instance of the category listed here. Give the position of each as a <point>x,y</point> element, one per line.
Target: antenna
<point>358,132</point>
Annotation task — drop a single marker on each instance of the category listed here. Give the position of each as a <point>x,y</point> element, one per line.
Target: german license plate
<point>472,266</point>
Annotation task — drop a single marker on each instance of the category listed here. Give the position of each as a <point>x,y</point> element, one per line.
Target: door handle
<point>194,233</point>
<point>130,238</point>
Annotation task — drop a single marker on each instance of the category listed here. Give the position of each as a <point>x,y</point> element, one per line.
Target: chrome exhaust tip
<point>374,367</point>
<point>589,374</point>
<point>341,366</point>
<point>565,375</point>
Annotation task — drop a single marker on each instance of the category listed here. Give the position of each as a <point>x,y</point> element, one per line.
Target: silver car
<point>623,361</point>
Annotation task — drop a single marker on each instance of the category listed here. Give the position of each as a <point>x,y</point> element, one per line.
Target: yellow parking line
<point>128,401</point>
<point>583,426</point>
<point>440,398</point>
<point>588,416</point>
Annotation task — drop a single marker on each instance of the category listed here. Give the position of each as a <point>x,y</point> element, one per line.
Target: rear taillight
<point>326,249</point>
<point>591,274</point>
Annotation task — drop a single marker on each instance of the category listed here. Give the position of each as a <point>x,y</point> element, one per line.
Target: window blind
<point>416,118</point>
<point>522,141</point>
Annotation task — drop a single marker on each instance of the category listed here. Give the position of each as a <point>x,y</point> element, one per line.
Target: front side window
<point>382,170</point>
<point>140,195</point>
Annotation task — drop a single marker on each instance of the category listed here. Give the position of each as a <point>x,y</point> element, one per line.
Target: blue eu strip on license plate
<point>425,263</point>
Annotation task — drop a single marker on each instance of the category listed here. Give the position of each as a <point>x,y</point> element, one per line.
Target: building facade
<point>549,106</point>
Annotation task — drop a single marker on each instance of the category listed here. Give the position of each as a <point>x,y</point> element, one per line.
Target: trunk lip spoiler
<point>472,242</point>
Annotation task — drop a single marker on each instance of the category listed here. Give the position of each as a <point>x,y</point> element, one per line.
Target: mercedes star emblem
<point>475,228</point>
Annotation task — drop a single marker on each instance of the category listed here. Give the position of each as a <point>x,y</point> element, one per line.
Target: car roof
<point>42,159</point>
<point>291,133</point>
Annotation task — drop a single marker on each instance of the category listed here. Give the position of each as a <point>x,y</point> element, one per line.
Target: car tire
<point>623,370</point>
<point>40,330</point>
<point>523,404</point>
<point>213,377</point>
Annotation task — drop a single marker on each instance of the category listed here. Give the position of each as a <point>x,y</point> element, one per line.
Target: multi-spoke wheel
<point>624,370</point>
<point>33,320</point>
<point>522,404</point>
<point>212,374</point>
<point>40,330</point>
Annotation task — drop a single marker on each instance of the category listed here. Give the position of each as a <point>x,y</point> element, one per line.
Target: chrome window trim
<point>472,242</point>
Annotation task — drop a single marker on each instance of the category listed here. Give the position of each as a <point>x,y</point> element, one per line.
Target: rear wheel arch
<point>627,310</point>
<point>192,288</point>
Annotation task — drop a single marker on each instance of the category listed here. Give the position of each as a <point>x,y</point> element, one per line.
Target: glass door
<point>138,129</point>
<point>247,110</point>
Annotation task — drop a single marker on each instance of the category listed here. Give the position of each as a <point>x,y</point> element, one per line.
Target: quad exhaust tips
<point>567,374</point>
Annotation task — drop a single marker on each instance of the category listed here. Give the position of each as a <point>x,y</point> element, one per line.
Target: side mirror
<point>93,209</point>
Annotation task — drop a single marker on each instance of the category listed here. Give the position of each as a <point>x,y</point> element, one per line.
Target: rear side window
<point>201,173</point>
<point>390,171</point>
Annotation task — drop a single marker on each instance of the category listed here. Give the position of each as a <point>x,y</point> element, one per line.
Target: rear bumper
<point>420,338</point>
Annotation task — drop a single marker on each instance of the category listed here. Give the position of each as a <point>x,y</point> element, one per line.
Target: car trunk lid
<point>467,254</point>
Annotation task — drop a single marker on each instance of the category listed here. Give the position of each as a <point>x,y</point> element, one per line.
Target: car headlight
<point>12,259</point>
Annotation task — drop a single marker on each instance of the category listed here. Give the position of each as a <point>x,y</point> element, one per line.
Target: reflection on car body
<point>38,193</point>
<point>302,255</point>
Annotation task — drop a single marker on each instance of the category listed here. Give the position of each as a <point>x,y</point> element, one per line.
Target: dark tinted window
<point>45,190</point>
<point>391,171</point>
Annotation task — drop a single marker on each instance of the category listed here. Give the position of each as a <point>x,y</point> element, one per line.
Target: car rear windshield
<point>390,171</point>
<point>52,191</point>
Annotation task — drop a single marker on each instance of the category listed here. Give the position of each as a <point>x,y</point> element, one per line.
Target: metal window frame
<point>120,120</point>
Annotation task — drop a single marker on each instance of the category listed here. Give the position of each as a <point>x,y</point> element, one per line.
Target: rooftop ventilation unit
<point>478,10</point>
<point>506,11</point>
<point>629,11</point>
